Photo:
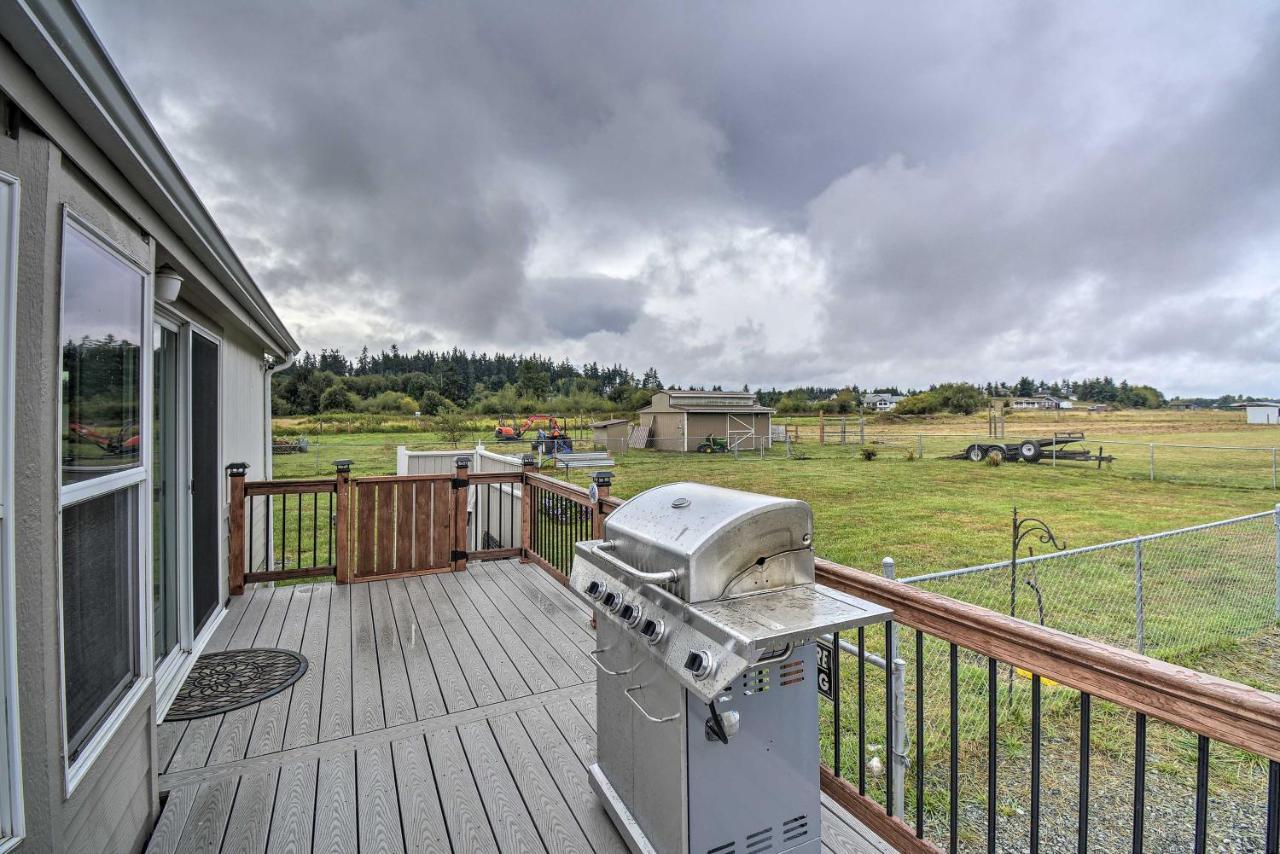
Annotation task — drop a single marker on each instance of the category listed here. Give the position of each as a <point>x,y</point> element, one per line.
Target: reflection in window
<point>102,330</point>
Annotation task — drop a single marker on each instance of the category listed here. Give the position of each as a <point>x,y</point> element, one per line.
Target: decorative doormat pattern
<point>222,682</point>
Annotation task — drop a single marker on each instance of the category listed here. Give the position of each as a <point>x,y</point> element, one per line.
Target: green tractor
<point>713,445</point>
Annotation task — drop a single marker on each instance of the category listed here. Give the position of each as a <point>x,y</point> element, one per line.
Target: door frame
<point>173,669</point>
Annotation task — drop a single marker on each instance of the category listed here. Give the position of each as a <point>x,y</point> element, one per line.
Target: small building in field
<point>611,435</point>
<point>681,420</point>
<point>1261,412</point>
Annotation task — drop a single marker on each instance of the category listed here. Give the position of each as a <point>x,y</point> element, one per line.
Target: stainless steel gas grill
<point>706,706</point>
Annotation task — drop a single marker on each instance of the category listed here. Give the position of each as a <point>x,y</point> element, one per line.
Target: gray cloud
<point>812,192</point>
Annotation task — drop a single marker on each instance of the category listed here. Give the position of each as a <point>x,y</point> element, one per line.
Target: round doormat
<point>225,681</point>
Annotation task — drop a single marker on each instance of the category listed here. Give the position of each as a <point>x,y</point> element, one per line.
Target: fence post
<point>526,507</point>
<point>602,480</point>
<point>897,670</point>
<point>1278,561</point>
<point>461,476</point>
<point>1141,602</point>
<point>1152,448</point>
<point>822,428</point>
<point>862,429</point>
<point>342,510</point>
<point>919,453</point>
<point>1273,468</point>
<point>235,525</point>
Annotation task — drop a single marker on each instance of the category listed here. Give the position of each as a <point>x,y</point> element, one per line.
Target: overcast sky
<point>746,192</point>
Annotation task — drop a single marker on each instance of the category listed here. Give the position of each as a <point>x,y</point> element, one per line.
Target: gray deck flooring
<point>439,713</point>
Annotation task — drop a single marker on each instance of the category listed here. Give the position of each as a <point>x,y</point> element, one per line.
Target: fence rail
<point>975,745</point>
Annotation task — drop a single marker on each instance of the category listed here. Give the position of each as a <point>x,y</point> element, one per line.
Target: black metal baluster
<point>329,557</point>
<point>835,701</point>
<point>1082,828</point>
<point>953,807</point>
<point>1273,808</point>
<point>1035,763</point>
<point>888,717</point>
<point>992,709</point>
<point>919,734</point>
<point>1139,779</point>
<point>1202,792</point>
<point>862,712</point>
<point>315,529</point>
<point>284,525</point>
<point>502,527</point>
<point>299,561</point>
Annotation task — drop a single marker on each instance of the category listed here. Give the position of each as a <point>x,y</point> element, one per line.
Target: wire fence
<point>1176,595</point>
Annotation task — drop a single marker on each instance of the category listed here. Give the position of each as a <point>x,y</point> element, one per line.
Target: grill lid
<point>720,542</point>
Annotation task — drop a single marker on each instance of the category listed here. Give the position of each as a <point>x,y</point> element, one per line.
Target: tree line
<point>429,382</point>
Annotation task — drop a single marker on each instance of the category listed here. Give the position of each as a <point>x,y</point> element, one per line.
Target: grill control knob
<point>629,614</point>
<point>698,664</point>
<point>595,590</point>
<point>611,601</point>
<point>651,630</point>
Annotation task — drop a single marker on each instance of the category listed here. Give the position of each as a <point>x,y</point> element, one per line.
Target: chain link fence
<point>1175,595</point>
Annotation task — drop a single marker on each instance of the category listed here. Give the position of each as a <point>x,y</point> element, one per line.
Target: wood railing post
<point>235,521</point>
<point>460,484</point>
<point>341,511</point>
<point>526,507</point>
<point>601,480</point>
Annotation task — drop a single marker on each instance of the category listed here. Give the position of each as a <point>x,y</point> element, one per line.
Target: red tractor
<point>553,439</point>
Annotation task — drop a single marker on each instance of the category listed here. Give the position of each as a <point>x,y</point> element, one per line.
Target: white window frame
<point>12,818</point>
<point>135,479</point>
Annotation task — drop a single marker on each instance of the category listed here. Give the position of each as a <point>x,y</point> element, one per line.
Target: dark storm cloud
<point>758,193</point>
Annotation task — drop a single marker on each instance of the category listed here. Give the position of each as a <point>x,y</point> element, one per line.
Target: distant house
<point>1040,401</point>
<point>881,402</point>
<point>680,420</point>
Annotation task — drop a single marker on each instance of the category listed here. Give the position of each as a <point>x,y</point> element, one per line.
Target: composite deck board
<point>483,686</point>
<point>397,698</point>
<point>294,812</point>
<point>454,690</point>
<point>547,807</point>
<point>378,803</point>
<point>452,764</point>
<point>335,825</point>
<point>366,682</point>
<point>464,814</point>
<point>501,655</point>
<point>499,610</point>
<point>335,701</point>
<point>508,816</point>
<point>273,712</point>
<point>427,699</point>
<point>303,725</point>
<point>420,812</point>
<point>569,773</point>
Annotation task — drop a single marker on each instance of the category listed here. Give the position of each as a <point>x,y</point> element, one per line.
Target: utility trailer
<point>1034,450</point>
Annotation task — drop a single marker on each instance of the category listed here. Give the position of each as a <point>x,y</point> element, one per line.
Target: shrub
<point>994,459</point>
<point>336,398</point>
<point>868,453</point>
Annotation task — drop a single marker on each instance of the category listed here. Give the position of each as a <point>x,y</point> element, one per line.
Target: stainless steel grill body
<point>706,703</point>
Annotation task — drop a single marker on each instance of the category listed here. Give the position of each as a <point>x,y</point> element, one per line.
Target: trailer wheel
<point>976,453</point>
<point>1030,451</point>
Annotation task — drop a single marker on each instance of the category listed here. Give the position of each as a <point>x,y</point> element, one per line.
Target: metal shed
<point>679,420</point>
<point>610,434</point>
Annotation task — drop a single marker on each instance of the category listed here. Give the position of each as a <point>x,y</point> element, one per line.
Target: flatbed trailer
<point>1035,449</point>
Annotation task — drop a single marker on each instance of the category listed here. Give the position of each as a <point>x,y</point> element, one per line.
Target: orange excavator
<point>552,439</point>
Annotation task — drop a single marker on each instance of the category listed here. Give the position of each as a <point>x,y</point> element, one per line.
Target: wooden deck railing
<point>1010,665</point>
<point>363,528</point>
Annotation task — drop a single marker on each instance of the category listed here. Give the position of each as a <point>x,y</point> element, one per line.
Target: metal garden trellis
<point>1023,527</point>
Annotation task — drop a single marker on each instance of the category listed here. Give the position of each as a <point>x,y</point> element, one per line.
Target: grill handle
<point>636,703</point>
<point>592,655</point>
<point>666,576</point>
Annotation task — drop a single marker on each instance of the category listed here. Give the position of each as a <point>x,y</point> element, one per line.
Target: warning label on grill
<point>826,684</point>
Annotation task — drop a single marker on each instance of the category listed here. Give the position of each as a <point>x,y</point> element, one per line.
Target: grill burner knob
<point>698,664</point>
<point>611,601</point>
<point>595,590</point>
<point>651,629</point>
<point>629,614</point>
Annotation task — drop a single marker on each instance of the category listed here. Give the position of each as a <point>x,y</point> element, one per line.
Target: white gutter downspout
<point>267,374</point>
